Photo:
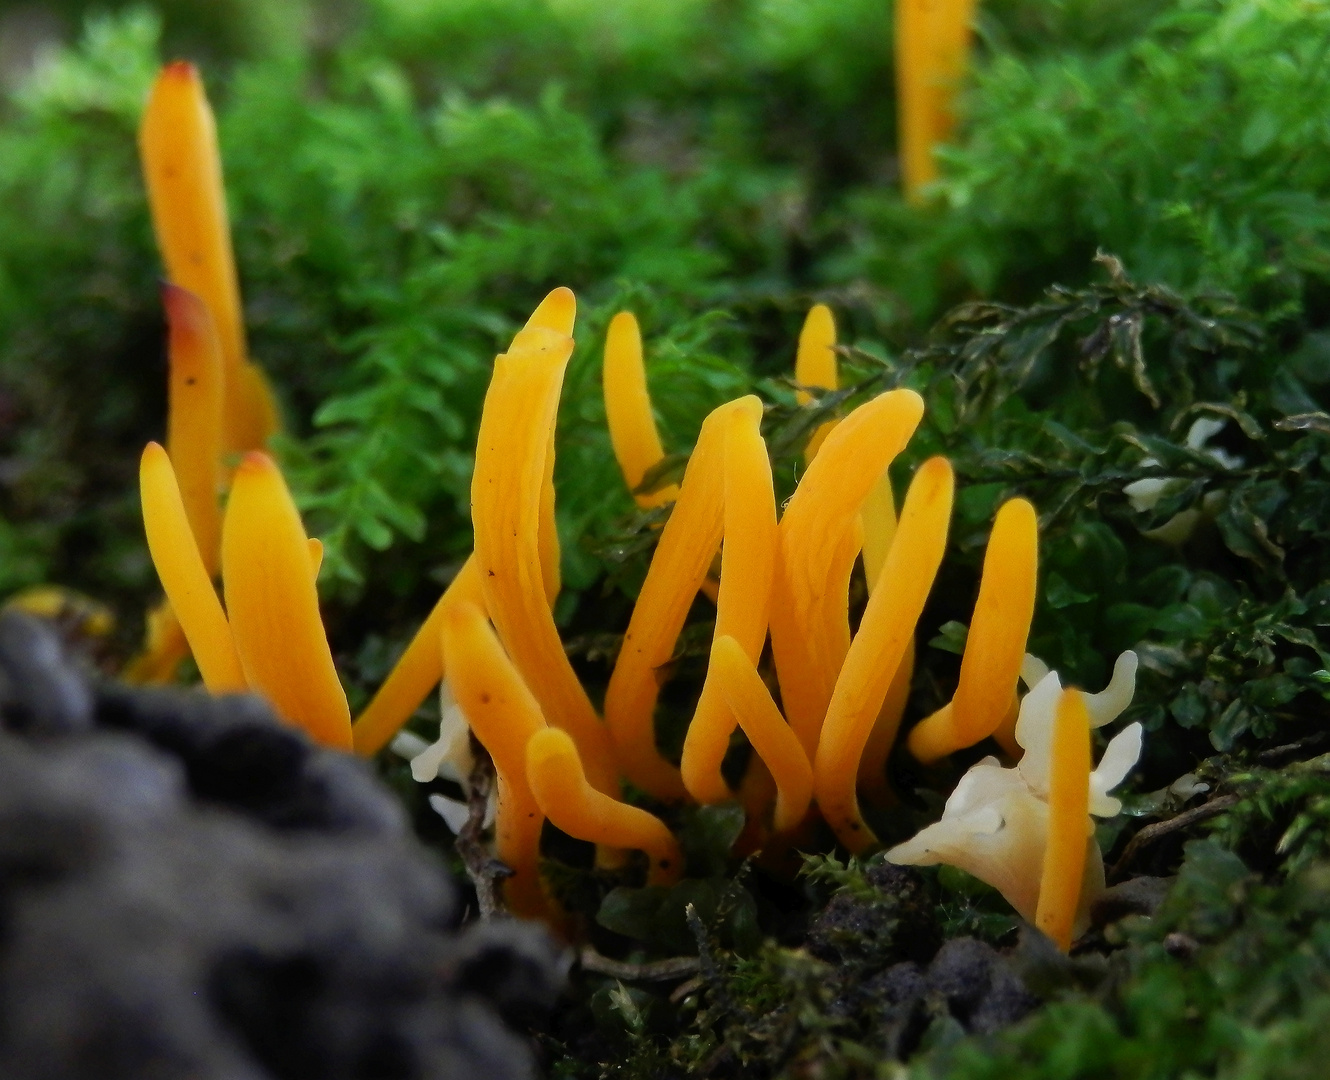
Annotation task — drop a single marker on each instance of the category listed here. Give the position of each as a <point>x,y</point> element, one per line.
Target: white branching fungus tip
<point>449,757</point>
<point>1144,495</point>
<point>995,825</point>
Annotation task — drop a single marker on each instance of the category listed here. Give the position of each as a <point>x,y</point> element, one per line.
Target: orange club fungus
<point>220,402</point>
<point>493,635</point>
<point>932,44</point>
<point>822,714</point>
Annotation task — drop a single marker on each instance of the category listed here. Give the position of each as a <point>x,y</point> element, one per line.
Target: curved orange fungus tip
<point>557,312</point>
<point>885,631</point>
<point>1069,826</point>
<point>633,434</point>
<point>554,771</point>
<point>504,717</point>
<point>514,452</point>
<point>273,606</point>
<point>995,645</point>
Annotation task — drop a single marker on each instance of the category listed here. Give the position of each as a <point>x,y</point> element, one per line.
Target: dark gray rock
<point>979,988</point>
<point>890,921</point>
<point>190,890</point>
<point>900,992</point>
<point>40,693</point>
<point>1136,896</point>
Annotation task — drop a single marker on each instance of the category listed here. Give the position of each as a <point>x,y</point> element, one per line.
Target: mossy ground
<point>407,178</point>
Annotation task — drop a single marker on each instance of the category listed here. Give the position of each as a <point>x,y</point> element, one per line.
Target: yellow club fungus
<point>183,172</point>
<point>773,740</point>
<point>995,644</point>
<point>194,416</point>
<point>184,576</point>
<point>820,537</point>
<point>194,442</point>
<point>557,312</point>
<point>1069,825</point>
<point>515,689</point>
<point>748,560</point>
<point>678,568</point>
<point>815,365</point>
<point>512,468</point>
<point>932,39</point>
<point>273,606</point>
<point>554,771</point>
<point>872,771</point>
<point>879,646</point>
<point>420,667</point>
<point>628,410</point>
<point>504,716</point>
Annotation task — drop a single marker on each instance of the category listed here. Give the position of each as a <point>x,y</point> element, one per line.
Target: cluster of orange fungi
<point>782,578</point>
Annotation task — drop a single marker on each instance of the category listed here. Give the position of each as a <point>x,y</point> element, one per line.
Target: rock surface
<point>892,968</point>
<point>190,890</point>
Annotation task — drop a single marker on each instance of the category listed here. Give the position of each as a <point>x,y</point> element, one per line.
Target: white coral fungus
<point>995,825</point>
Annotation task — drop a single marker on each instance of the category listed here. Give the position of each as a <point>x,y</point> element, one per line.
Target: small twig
<point>484,870</point>
<point>1277,755</point>
<point>706,961</point>
<point>1151,833</point>
<point>653,971</point>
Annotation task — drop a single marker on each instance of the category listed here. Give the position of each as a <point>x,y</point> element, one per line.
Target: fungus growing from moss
<point>1069,825</point>
<point>815,365</point>
<point>220,403</point>
<point>820,538</point>
<point>985,697</point>
<point>774,741</point>
<point>748,561</point>
<point>628,413</point>
<point>185,576</point>
<point>421,666</point>
<point>514,467</point>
